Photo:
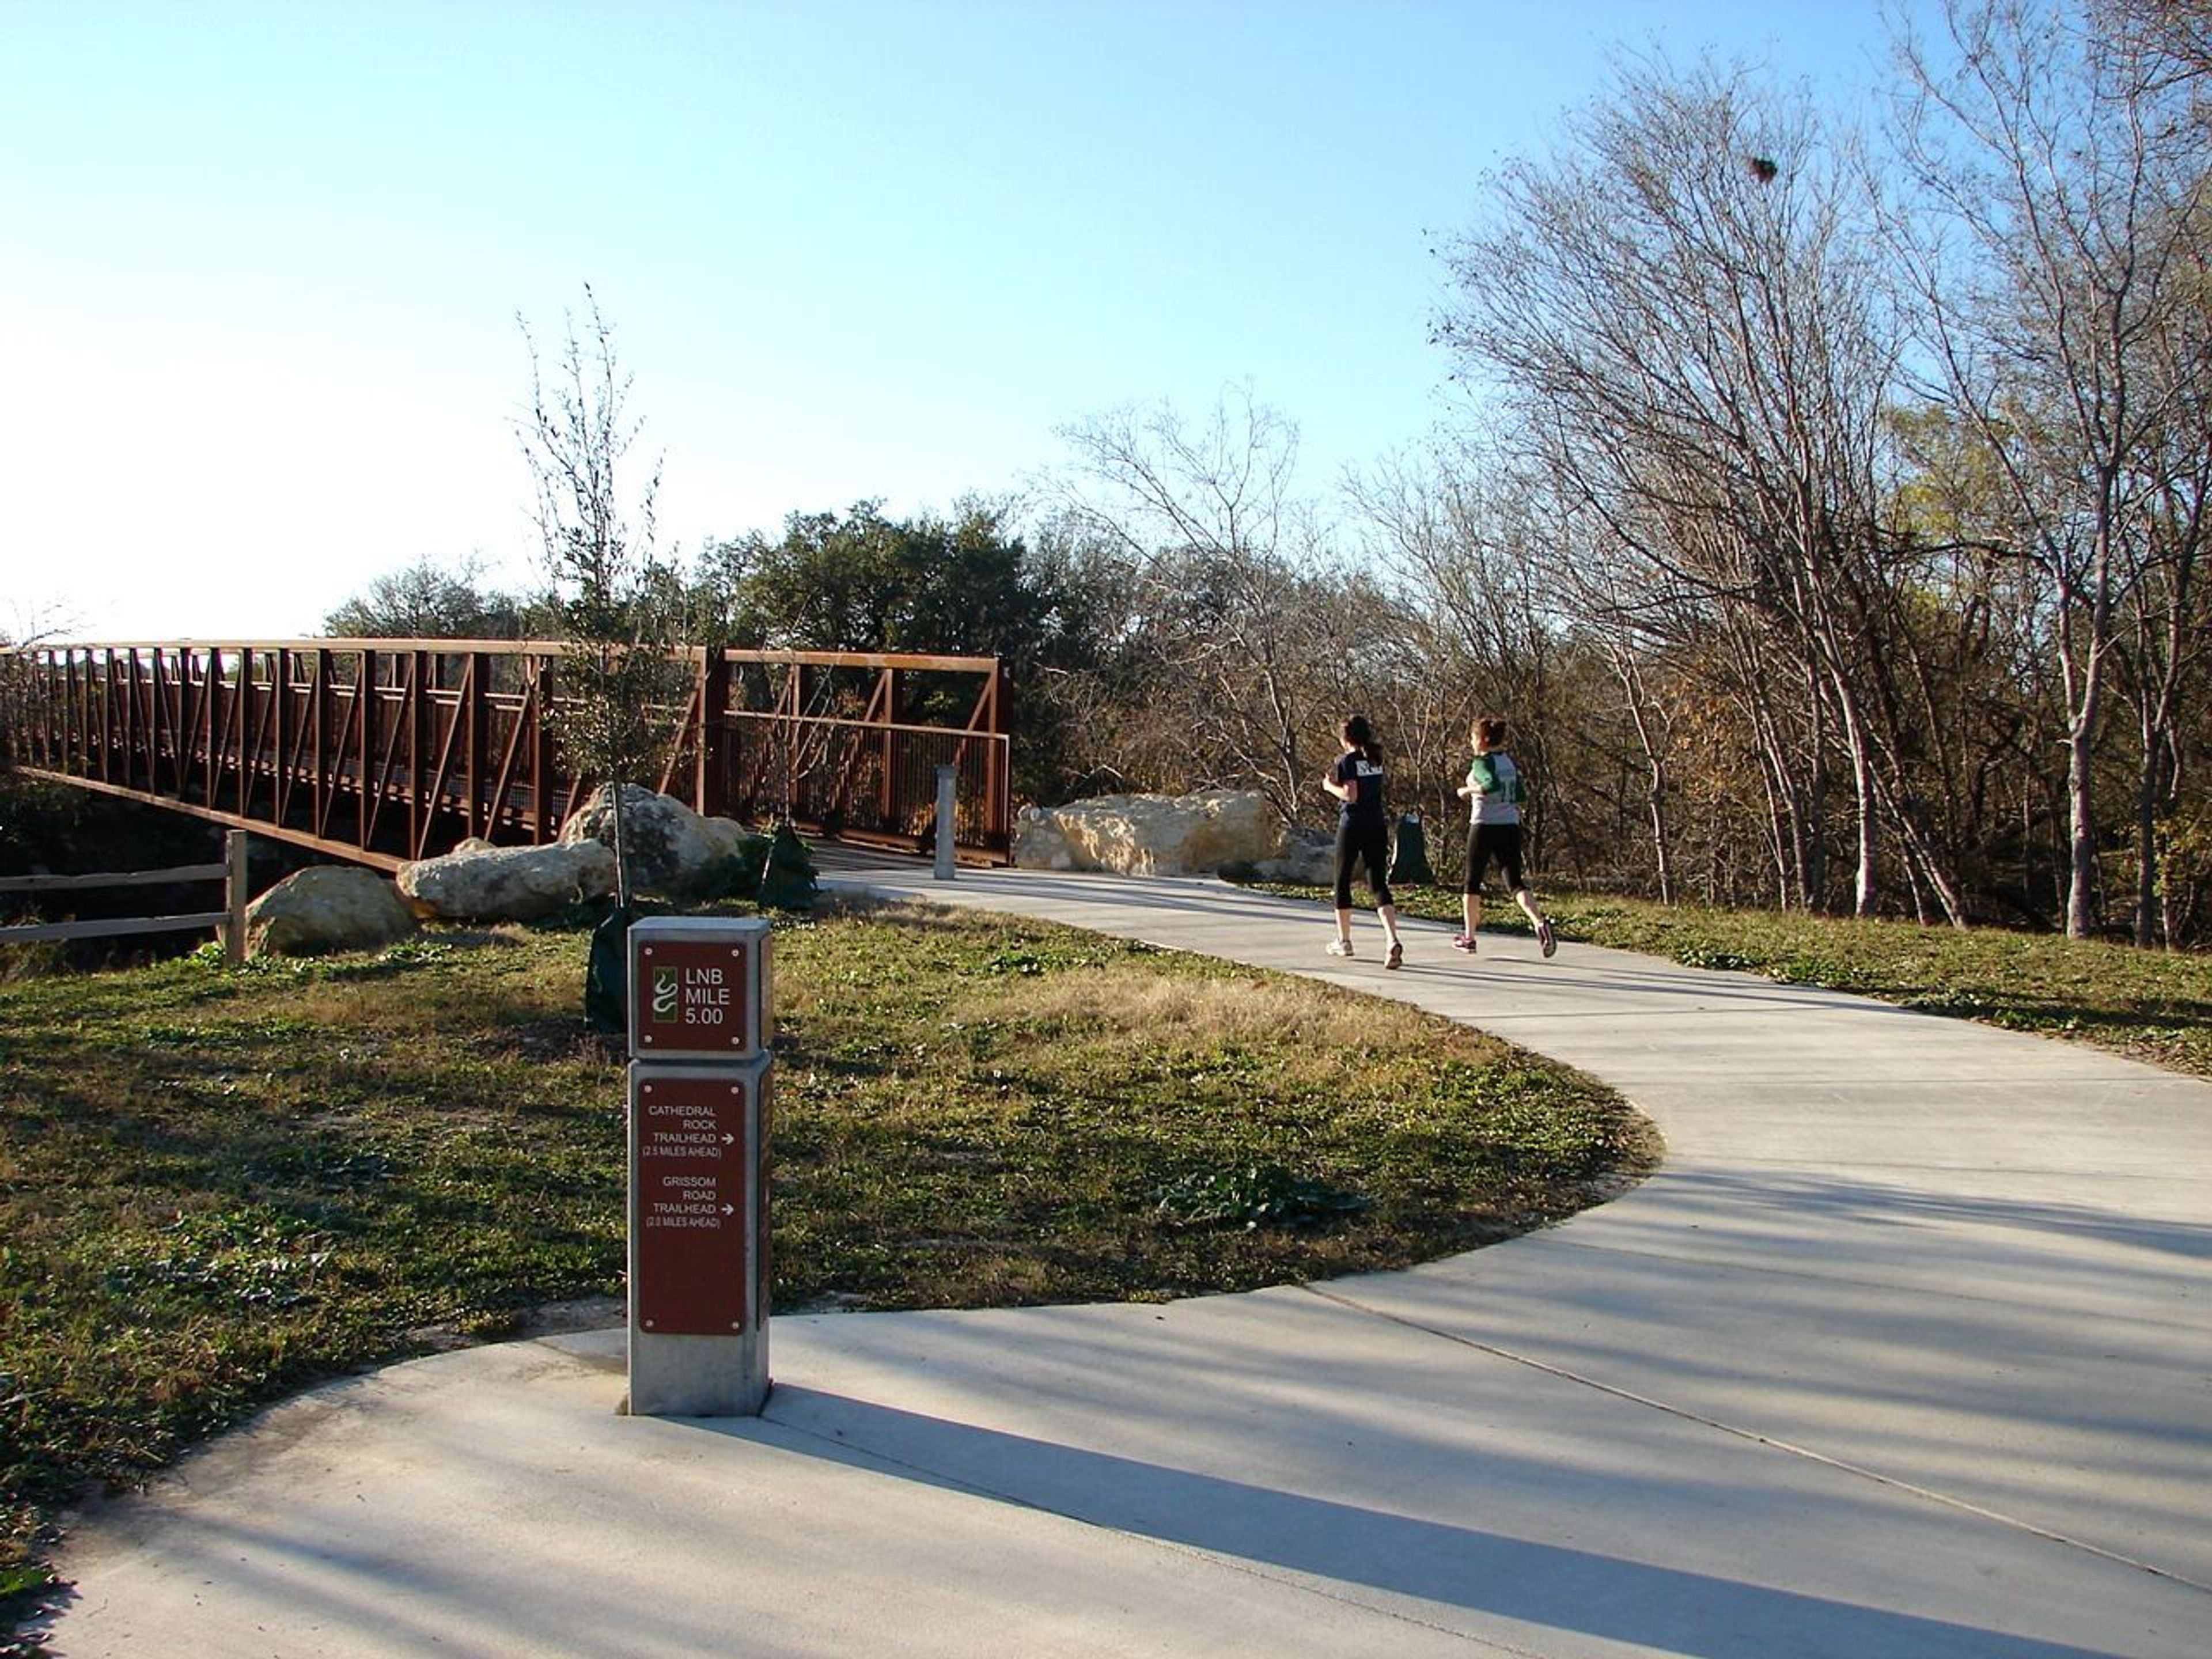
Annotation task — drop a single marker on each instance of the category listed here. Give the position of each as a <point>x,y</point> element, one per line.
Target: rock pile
<point>1198,834</point>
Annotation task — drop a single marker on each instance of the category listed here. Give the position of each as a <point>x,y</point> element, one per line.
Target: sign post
<point>700,1111</point>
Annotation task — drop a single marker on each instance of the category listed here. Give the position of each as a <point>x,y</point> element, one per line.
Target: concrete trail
<point>1904,1352</point>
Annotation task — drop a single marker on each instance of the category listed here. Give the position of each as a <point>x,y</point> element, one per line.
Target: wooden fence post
<point>234,897</point>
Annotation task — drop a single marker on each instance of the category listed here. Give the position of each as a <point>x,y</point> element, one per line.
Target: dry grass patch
<point>1123,1122</point>
<point>1136,1001</point>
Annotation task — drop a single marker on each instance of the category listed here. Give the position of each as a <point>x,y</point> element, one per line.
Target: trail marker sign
<point>700,1091</point>
<point>698,989</point>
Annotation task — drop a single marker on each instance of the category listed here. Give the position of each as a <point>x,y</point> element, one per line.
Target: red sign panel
<point>695,1205</point>
<point>692,997</point>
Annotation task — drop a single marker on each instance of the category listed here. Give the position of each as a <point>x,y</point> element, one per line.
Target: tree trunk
<point>2081,744</point>
<point>2147,792</point>
<point>1862,882</point>
<point>622,849</point>
<point>2081,837</point>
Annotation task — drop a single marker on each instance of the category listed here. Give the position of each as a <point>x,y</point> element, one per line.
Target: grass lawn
<point>219,1185</point>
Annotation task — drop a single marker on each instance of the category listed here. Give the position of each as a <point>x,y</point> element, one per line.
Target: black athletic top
<point>1352,766</point>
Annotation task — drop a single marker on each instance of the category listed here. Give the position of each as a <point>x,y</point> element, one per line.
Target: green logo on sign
<point>663,993</point>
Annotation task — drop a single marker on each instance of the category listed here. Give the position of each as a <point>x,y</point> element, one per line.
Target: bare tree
<point>2169,42</point>
<point>621,606</point>
<point>2166,630</point>
<point>1457,539</point>
<point>1245,627</point>
<point>2058,219</point>
<point>32,624</point>
<point>1680,306</point>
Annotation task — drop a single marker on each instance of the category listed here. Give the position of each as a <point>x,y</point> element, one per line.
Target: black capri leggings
<point>1368,840</point>
<point>1485,842</point>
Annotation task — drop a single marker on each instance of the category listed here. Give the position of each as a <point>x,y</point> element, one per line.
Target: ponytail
<point>1358,734</point>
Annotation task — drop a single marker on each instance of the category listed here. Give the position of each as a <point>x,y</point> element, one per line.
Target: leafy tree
<point>1968,658</point>
<point>865,581</point>
<point>962,586</point>
<point>428,600</point>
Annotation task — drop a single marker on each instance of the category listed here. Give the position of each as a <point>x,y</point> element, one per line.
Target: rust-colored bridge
<point>388,750</point>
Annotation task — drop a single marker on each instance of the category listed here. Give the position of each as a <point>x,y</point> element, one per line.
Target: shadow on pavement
<point>1545,1585</point>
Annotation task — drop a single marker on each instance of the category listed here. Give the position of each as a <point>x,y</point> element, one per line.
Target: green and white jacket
<point>1499,791</point>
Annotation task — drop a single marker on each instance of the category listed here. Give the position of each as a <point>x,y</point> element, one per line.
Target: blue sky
<point>262,263</point>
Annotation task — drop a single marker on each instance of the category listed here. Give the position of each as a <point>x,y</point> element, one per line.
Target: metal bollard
<point>948,779</point>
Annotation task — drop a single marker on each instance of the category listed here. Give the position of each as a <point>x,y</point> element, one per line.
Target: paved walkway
<point>1905,1354</point>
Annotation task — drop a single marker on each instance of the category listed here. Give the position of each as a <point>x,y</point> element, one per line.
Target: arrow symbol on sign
<point>729,1140</point>
<point>729,1209</point>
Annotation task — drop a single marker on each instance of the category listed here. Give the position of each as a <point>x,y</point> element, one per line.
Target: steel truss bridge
<point>385,751</point>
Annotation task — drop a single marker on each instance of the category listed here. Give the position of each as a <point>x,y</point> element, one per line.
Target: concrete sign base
<point>698,1238</point>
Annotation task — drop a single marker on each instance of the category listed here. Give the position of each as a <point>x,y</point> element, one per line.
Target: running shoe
<point>1464,943</point>
<point>1340,947</point>
<point>1397,957</point>
<point>1545,942</point>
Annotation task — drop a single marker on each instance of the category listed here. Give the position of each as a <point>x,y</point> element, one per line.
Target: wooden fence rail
<point>388,750</point>
<point>230,922</point>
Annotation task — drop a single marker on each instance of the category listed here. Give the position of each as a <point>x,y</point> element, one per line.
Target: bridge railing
<point>387,750</point>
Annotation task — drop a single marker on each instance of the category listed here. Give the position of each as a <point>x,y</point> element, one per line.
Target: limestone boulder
<point>725,838</point>
<point>671,847</point>
<point>1039,842</point>
<point>1150,835</point>
<point>1306,856</point>
<point>507,883</point>
<point>327,908</point>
